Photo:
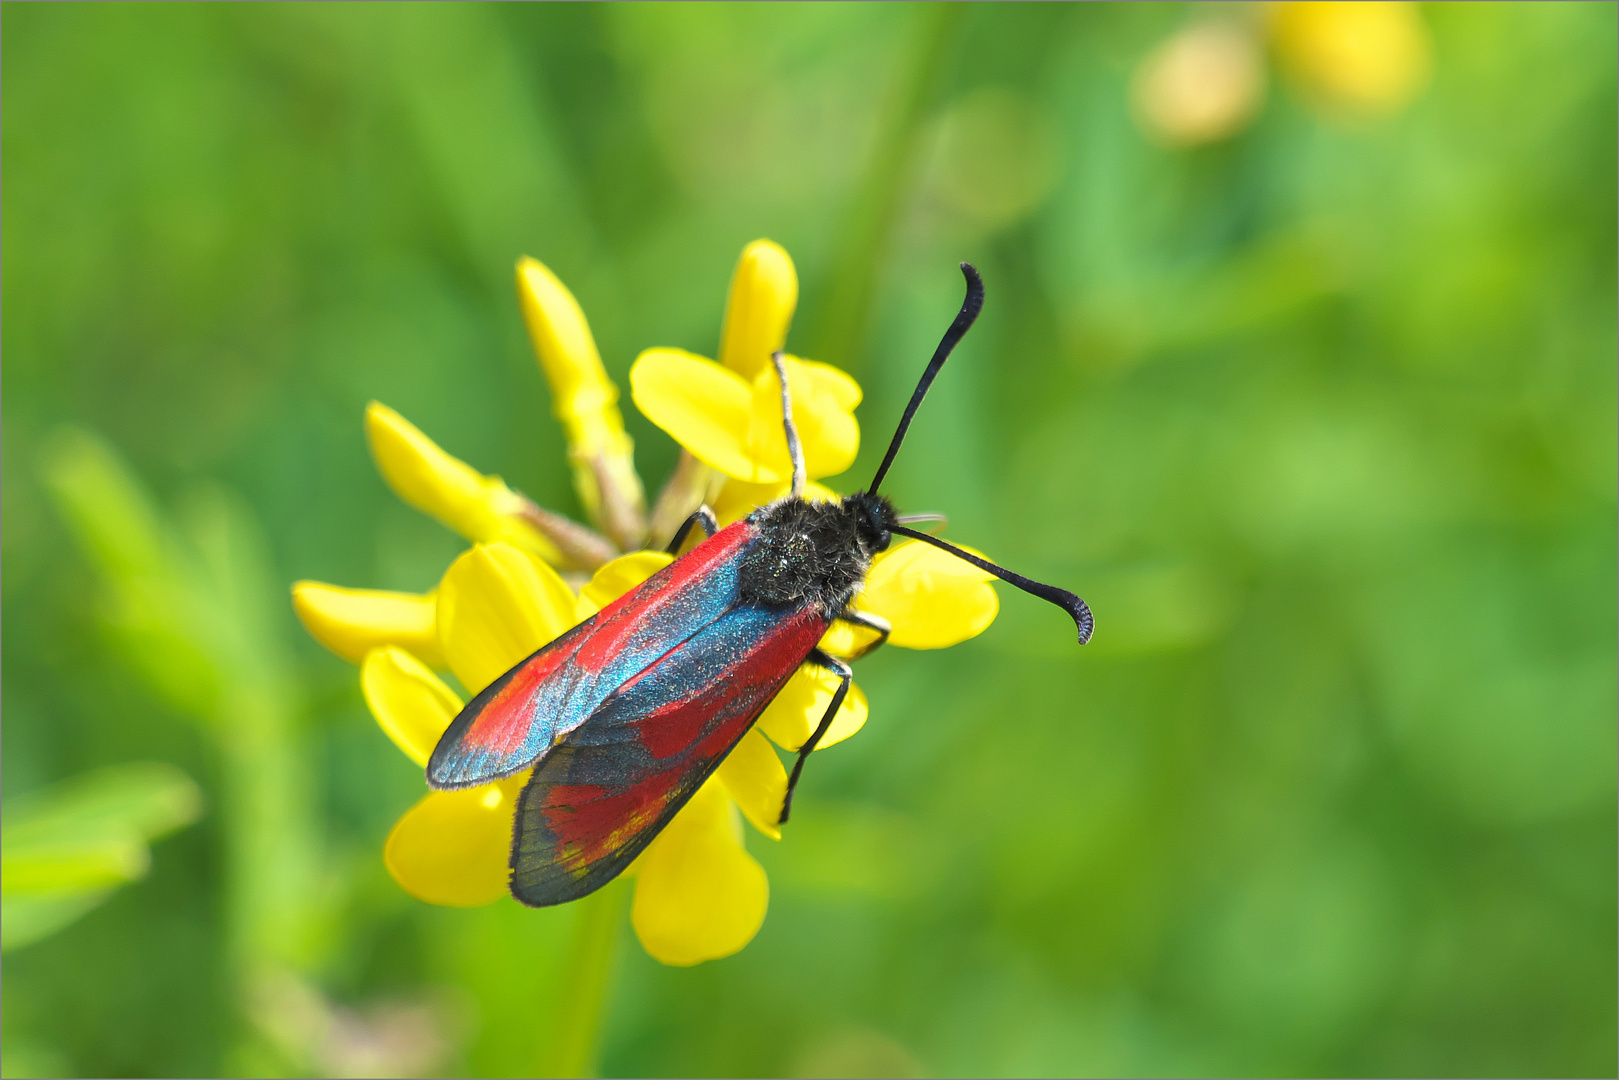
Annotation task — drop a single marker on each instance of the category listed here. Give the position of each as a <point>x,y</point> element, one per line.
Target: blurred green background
<point>1318,411</point>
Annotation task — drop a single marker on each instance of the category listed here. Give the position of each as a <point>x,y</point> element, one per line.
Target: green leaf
<point>105,506</point>
<point>63,850</point>
<point>28,918</point>
<point>91,863</point>
<point>147,799</point>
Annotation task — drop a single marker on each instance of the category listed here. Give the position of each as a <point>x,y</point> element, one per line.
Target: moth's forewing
<point>524,713</point>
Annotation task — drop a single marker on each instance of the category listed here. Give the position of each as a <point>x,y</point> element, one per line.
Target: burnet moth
<point>624,716</point>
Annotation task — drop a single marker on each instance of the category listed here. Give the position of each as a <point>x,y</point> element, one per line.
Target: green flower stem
<point>599,924</point>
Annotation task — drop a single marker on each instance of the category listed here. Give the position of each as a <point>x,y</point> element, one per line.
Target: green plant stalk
<point>272,883</point>
<point>270,875</point>
<point>585,976</point>
<point>876,205</point>
<point>193,616</point>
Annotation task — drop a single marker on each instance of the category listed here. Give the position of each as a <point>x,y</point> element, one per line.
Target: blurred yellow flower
<point>1206,82</point>
<point>699,895</point>
<point>1202,85</point>
<point>1369,57</point>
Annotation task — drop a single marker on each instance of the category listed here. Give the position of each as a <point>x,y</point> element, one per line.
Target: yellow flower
<point>1353,61</point>
<point>699,895</point>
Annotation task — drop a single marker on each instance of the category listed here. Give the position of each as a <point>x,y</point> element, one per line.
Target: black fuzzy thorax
<point>815,553</point>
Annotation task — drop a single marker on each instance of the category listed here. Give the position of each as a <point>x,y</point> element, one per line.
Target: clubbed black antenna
<point>970,307</point>
<point>1077,608</point>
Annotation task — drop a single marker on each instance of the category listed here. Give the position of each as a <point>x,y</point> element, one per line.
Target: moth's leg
<point>795,449</point>
<point>841,670</point>
<point>870,622</point>
<point>702,516</point>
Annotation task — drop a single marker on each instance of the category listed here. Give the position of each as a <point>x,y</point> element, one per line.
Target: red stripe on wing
<point>503,724</point>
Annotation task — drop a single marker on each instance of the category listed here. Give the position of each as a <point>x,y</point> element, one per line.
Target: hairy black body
<point>814,553</point>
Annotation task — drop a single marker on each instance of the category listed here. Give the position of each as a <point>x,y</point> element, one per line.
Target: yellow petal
<point>617,578</point>
<point>480,508</point>
<point>698,894</point>
<point>496,605</point>
<point>845,639</point>
<point>352,622</point>
<point>703,406</point>
<point>764,291</point>
<point>754,776</point>
<point>933,599</point>
<point>793,716</point>
<point>410,703</point>
<point>737,500</point>
<point>452,847</point>
<point>823,400</point>
<point>826,381</point>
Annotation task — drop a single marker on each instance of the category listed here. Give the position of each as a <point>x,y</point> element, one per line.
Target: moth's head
<point>873,517</point>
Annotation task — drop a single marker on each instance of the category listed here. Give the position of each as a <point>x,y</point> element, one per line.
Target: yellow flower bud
<point>764,292</point>
<point>481,508</point>
<point>586,401</point>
